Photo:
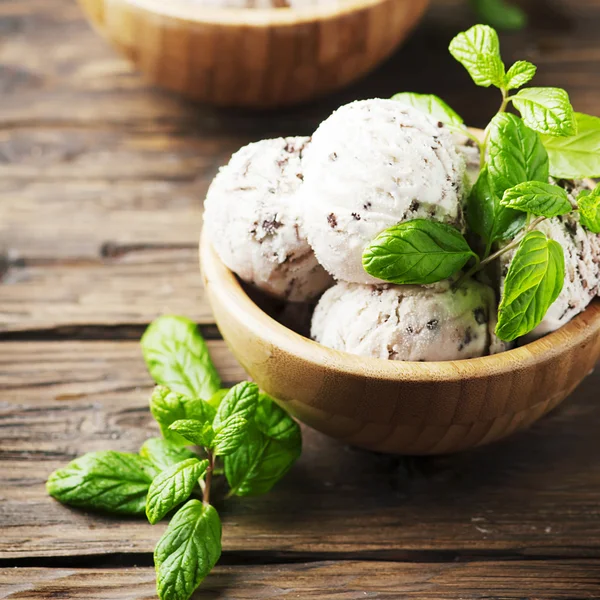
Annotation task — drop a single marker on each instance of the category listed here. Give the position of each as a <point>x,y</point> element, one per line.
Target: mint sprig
<point>512,195</point>
<point>255,439</point>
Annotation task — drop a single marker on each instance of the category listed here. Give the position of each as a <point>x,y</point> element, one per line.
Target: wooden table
<point>101,187</point>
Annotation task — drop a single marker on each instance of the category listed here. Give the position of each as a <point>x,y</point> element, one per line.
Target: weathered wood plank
<point>324,580</point>
<point>535,494</point>
<point>133,287</point>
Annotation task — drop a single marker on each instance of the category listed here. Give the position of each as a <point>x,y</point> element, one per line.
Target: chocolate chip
<point>440,124</point>
<point>480,316</point>
<point>333,156</point>
<point>332,220</point>
<point>409,329</point>
<point>470,143</point>
<point>433,324</point>
<point>356,216</point>
<point>300,176</point>
<point>367,205</point>
<point>414,205</point>
<point>270,226</point>
<point>467,339</point>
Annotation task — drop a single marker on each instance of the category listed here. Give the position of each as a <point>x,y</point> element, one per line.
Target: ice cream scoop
<point>582,265</point>
<point>252,217</point>
<point>370,165</point>
<point>416,323</point>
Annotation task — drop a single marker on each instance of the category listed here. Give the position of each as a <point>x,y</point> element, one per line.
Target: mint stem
<point>208,478</point>
<point>480,265</point>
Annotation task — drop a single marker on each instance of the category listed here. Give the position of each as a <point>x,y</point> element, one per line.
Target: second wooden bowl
<point>401,407</point>
<point>254,57</point>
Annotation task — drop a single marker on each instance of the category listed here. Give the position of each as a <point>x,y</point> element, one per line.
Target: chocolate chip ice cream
<point>253,219</point>
<point>370,165</point>
<point>416,323</point>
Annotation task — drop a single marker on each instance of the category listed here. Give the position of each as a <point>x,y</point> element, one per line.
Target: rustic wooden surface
<point>101,182</point>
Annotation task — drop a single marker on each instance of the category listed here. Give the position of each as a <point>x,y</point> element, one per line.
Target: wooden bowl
<point>254,57</point>
<point>400,407</point>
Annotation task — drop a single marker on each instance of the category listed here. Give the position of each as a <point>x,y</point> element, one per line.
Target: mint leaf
<point>163,453</point>
<point>167,407</point>
<point>115,482</point>
<point>240,400</point>
<point>172,487</point>
<point>487,217</point>
<point>500,14</point>
<point>534,280</point>
<point>589,209</point>
<point>516,154</point>
<point>577,156</point>
<point>519,74</point>
<point>538,198</point>
<point>478,51</point>
<point>431,105</point>
<point>177,356</point>
<point>416,252</point>
<point>194,432</point>
<point>230,436</point>
<point>187,551</point>
<point>260,462</point>
<point>546,110</point>
<point>274,422</point>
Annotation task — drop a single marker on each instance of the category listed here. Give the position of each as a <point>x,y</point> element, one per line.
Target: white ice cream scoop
<point>253,219</point>
<point>370,165</point>
<point>417,323</point>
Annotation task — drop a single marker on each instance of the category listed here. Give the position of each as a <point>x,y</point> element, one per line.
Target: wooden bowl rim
<point>184,10</point>
<point>232,296</point>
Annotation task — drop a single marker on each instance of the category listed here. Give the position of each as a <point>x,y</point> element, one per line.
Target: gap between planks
<point>265,557</point>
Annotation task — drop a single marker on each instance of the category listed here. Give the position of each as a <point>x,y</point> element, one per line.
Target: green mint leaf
<point>167,407</point>
<point>187,551</point>
<point>260,462</point>
<point>538,198</point>
<point>577,156</point>
<point>478,51</point>
<point>431,105</point>
<point>240,400</point>
<point>589,209</point>
<point>163,453</point>
<point>274,422</point>
<point>172,487</point>
<point>486,215</point>
<point>417,252</point>
<point>115,482</point>
<point>534,280</point>
<point>177,356</point>
<point>231,435</point>
<point>500,14</point>
<point>516,154</point>
<point>519,74</point>
<point>194,432</point>
<point>546,110</point>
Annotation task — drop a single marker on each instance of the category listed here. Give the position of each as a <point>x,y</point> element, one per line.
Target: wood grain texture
<point>332,580</point>
<point>260,58</point>
<point>536,494</point>
<point>129,286</point>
